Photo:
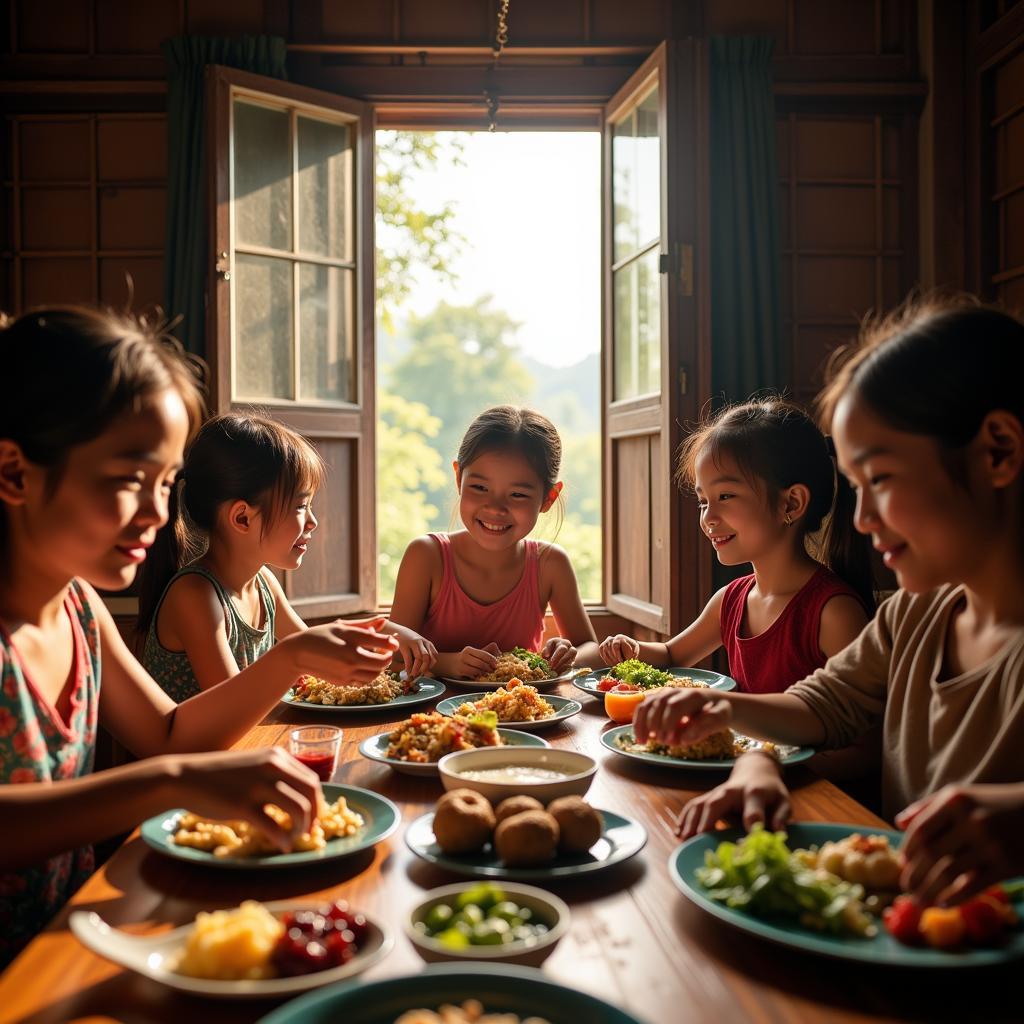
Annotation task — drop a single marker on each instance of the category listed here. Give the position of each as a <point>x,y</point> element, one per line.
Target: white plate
<point>375,748</point>
<point>564,707</point>
<point>487,684</point>
<point>149,955</point>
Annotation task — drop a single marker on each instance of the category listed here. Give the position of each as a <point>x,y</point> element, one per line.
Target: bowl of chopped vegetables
<point>487,922</point>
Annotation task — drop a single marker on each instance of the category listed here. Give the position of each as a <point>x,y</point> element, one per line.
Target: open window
<point>656,355</point>
<point>290,301</point>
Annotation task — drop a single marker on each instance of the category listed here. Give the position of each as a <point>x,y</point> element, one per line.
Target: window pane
<point>325,188</point>
<point>262,176</point>
<point>263,327</point>
<point>637,338</point>
<point>326,338</point>
<point>636,178</point>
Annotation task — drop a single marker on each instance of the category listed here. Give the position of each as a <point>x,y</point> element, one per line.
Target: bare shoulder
<point>271,581</point>
<point>423,553</point>
<point>187,595</point>
<point>842,620</point>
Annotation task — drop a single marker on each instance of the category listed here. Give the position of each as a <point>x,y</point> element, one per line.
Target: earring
<point>789,519</point>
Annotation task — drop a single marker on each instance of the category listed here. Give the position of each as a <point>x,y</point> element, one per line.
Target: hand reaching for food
<point>559,653</point>
<point>678,717</point>
<point>618,648</point>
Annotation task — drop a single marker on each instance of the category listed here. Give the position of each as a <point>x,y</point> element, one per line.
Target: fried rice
<point>510,666</point>
<point>385,688</point>
<point>718,746</point>
<point>518,702</point>
<point>427,736</point>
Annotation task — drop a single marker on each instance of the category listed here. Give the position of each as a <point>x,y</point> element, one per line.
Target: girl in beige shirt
<point>927,418</point>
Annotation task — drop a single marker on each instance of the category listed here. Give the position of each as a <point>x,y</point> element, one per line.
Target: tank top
<point>172,669</point>
<point>38,745</point>
<point>455,620</point>
<point>788,650</point>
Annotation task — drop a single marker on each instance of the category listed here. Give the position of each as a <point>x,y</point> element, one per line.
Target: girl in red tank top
<point>769,494</point>
<point>485,589</point>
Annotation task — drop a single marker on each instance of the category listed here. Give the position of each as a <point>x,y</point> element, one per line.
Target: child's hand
<point>239,783</point>
<point>961,840</point>
<point>418,653</point>
<point>754,790</point>
<point>676,716</point>
<point>559,653</point>
<point>476,661</point>
<point>341,652</point>
<point>618,648</point>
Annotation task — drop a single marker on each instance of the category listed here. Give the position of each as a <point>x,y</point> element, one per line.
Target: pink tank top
<point>455,620</point>
<point>788,650</point>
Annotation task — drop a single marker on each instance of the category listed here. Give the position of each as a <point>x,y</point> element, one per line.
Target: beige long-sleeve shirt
<point>965,729</point>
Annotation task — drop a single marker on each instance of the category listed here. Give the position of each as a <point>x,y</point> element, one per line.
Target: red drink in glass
<point>316,746</point>
<point>322,763</point>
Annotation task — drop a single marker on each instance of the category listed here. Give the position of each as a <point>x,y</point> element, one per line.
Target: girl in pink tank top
<point>769,494</point>
<point>486,589</point>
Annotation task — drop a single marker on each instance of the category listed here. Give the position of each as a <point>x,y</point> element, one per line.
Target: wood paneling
<point>631,573</point>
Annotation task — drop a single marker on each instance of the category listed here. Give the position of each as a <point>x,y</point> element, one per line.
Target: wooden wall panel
<point>52,26</point>
<point>54,150</point>
<point>56,281</point>
<point>840,26</point>
<point>127,26</point>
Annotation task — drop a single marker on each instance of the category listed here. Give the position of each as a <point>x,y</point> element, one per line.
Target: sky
<point>529,205</point>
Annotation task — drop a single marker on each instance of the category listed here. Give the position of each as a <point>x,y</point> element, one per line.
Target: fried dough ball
<point>526,838</point>
<point>516,805</point>
<point>463,821</point>
<point>579,825</point>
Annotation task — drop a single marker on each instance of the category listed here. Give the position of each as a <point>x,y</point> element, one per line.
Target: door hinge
<point>663,263</point>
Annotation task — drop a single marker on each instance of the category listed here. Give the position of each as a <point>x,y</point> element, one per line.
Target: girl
<point>485,589</point>
<point>95,416</point>
<point>246,490</point>
<point>928,420</point>
<point>767,491</point>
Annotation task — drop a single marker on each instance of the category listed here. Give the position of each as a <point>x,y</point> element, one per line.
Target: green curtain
<point>747,349</point>
<point>187,256</point>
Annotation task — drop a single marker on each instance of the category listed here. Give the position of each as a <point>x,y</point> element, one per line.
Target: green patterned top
<point>172,669</point>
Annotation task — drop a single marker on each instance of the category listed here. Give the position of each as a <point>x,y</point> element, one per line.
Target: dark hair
<point>936,366</point>
<point>508,428</point>
<point>236,456</point>
<point>70,371</point>
<point>776,442</point>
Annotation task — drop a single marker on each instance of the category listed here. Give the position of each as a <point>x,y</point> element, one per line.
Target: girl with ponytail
<point>769,494</point>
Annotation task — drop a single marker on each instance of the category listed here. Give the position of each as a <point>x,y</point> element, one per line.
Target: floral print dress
<point>38,745</point>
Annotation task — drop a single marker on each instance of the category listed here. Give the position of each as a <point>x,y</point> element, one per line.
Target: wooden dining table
<point>634,941</point>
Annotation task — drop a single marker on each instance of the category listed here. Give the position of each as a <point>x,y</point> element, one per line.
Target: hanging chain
<point>500,42</point>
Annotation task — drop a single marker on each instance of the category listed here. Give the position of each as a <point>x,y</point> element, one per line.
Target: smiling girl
<point>95,417</point>
<point>928,420</point>
<point>768,494</point>
<point>210,605</point>
<point>485,589</point>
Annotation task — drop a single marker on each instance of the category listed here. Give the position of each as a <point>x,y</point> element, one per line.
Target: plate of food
<point>349,820</point>
<point>520,839</point>
<point>417,744</point>
<point>257,950</point>
<point>519,663</point>
<point>517,994</point>
<point>833,890</point>
<point>517,705</point>
<point>388,690</point>
<point>638,673</point>
<point>717,752</point>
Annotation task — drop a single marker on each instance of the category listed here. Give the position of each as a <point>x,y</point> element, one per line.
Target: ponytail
<point>845,550</point>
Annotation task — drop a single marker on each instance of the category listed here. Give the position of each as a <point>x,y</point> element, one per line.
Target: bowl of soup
<point>499,772</point>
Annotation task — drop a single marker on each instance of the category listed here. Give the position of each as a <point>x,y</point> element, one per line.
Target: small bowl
<point>579,772</point>
<point>547,909</point>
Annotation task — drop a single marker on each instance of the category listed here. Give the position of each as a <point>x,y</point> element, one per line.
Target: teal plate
<point>588,684</point>
<point>380,815</point>
<point>501,988</point>
<point>882,949</point>
<point>375,748</point>
<point>793,755</point>
<point>621,839</point>
<point>564,708</point>
<point>429,689</point>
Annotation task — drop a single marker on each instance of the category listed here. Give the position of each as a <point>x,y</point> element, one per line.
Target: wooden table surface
<point>635,940</point>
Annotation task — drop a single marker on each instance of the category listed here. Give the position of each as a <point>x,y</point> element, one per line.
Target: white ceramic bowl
<point>579,772</point>
<point>547,909</point>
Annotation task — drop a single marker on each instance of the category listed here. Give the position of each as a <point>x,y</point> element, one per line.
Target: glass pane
<point>262,176</point>
<point>263,327</point>
<point>637,338</point>
<point>326,339</point>
<point>325,188</point>
<point>636,178</point>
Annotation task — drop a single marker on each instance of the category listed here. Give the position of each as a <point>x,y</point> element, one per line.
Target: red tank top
<point>455,620</point>
<point>788,650</point>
